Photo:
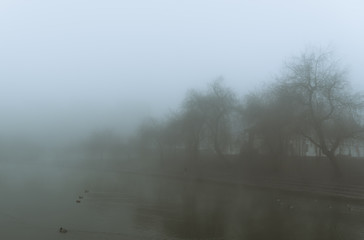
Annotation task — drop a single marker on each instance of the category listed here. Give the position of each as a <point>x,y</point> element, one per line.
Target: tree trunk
<point>334,163</point>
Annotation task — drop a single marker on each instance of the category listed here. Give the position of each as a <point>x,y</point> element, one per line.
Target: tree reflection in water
<point>193,209</point>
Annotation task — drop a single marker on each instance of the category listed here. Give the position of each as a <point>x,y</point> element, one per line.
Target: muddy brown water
<point>38,199</point>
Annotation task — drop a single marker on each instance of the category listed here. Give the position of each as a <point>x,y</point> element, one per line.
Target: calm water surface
<point>36,201</point>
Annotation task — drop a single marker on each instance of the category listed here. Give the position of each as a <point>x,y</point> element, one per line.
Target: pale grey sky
<point>74,65</point>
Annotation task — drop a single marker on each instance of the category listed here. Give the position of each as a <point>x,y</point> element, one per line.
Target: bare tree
<point>271,118</point>
<point>207,118</point>
<point>220,103</point>
<point>330,110</point>
<point>193,122</point>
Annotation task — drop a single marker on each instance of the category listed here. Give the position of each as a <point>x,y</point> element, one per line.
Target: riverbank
<point>304,176</point>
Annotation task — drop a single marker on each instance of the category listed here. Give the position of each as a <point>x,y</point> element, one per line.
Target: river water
<point>38,199</point>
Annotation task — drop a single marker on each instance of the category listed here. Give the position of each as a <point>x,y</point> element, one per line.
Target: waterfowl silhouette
<point>62,230</point>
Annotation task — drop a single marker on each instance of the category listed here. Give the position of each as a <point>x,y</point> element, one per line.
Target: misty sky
<point>76,65</point>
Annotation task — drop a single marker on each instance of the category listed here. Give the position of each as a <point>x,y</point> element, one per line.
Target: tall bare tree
<point>330,110</point>
<point>220,103</point>
<point>207,118</point>
<point>193,122</point>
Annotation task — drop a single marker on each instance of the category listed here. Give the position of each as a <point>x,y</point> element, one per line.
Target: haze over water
<point>88,87</point>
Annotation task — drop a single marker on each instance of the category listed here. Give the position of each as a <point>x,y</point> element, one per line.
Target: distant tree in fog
<point>220,105</point>
<point>271,117</point>
<point>173,134</point>
<point>159,137</point>
<point>207,118</point>
<point>193,121</point>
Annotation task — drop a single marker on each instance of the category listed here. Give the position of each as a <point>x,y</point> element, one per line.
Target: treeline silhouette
<point>301,124</point>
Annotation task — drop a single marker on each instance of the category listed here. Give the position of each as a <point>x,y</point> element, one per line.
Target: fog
<point>72,66</point>
<point>92,91</point>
